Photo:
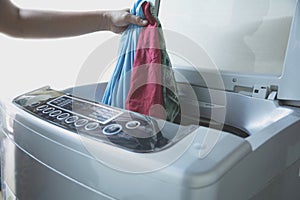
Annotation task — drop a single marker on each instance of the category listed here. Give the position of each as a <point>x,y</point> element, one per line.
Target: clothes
<point>117,88</point>
<point>143,80</point>
<point>152,86</point>
<point>145,85</point>
<point>170,98</point>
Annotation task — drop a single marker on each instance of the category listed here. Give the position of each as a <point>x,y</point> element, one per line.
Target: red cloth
<point>145,93</point>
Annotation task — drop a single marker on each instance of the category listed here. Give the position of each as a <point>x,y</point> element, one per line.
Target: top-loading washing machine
<point>237,136</point>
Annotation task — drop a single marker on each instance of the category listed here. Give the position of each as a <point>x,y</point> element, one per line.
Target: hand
<point>118,21</point>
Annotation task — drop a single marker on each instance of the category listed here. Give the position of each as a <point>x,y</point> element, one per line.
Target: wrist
<point>105,20</point>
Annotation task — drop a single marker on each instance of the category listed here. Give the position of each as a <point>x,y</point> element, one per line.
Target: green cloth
<point>170,94</point>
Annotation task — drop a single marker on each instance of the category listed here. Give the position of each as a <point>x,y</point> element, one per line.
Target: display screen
<point>86,109</point>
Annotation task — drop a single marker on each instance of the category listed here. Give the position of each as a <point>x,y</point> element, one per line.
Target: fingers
<point>132,19</point>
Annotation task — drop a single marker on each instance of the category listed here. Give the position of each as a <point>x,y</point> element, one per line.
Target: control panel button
<point>71,119</point>
<point>55,113</point>
<point>48,110</point>
<point>42,107</point>
<point>133,124</point>
<point>91,126</point>
<point>35,104</point>
<point>81,122</point>
<point>63,116</point>
<point>112,129</point>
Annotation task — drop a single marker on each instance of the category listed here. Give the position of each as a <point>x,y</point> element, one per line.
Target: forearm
<point>47,24</point>
<point>25,23</point>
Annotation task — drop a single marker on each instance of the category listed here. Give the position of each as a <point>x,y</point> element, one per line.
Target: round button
<point>48,110</point>
<point>71,119</point>
<point>42,107</point>
<point>112,129</point>
<point>63,116</point>
<point>91,126</point>
<point>81,122</point>
<point>55,113</point>
<point>133,124</point>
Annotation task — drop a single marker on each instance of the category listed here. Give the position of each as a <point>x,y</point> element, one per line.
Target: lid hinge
<point>263,92</point>
<point>272,96</point>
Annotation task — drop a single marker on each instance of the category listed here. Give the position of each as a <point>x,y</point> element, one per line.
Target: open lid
<point>250,44</point>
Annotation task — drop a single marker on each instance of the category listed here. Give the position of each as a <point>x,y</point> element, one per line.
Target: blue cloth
<point>118,87</point>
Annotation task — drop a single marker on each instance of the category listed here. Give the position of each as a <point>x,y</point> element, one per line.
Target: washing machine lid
<point>250,47</point>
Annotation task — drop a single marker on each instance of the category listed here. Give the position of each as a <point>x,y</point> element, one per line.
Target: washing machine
<point>237,135</point>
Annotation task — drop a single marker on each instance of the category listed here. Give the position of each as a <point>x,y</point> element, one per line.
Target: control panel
<point>129,130</point>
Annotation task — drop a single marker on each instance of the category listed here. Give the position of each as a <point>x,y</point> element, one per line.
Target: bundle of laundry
<point>143,80</point>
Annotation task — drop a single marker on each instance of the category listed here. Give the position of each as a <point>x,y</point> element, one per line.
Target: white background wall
<point>239,35</point>
<point>28,64</point>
